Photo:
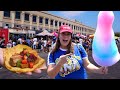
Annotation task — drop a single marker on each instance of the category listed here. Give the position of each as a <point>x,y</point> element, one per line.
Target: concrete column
<point>37,22</point>
<point>73,29</point>
<point>49,23</point>
<point>57,24</point>
<point>80,31</point>
<point>1,18</point>
<point>53,25</point>
<point>22,17</point>
<point>30,16</point>
<point>13,18</point>
<point>43,22</point>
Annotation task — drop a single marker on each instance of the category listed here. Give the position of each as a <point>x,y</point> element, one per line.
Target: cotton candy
<point>104,49</point>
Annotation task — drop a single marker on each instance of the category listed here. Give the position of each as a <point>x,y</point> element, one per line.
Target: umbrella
<point>83,36</point>
<point>78,35</point>
<point>55,34</point>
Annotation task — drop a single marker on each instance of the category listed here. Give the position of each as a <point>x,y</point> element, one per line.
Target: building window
<point>51,31</point>
<point>34,28</point>
<point>26,17</point>
<point>46,21</point>
<point>17,15</point>
<point>16,25</point>
<point>6,13</point>
<point>40,19</point>
<point>59,23</point>
<point>27,27</point>
<point>55,23</point>
<point>74,27</point>
<point>47,29</point>
<point>51,22</point>
<point>34,18</point>
<point>7,25</point>
<point>80,28</point>
<point>40,29</point>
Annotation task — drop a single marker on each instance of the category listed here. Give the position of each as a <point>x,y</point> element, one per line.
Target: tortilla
<point>8,52</point>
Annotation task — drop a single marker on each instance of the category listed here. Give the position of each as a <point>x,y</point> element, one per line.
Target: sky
<point>88,18</point>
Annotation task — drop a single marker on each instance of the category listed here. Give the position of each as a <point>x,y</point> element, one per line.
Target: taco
<point>22,58</point>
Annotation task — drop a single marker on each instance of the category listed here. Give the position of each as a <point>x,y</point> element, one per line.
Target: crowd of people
<point>36,43</point>
<point>86,42</point>
<point>46,44</point>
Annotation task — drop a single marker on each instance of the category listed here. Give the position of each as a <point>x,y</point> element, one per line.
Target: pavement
<point>113,71</point>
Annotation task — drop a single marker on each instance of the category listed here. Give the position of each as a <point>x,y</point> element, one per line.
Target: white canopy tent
<point>44,33</point>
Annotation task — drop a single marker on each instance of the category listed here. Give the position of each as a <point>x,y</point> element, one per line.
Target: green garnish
<point>18,63</point>
<point>28,54</point>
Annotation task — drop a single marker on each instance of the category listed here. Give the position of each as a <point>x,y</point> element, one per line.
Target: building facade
<point>38,21</point>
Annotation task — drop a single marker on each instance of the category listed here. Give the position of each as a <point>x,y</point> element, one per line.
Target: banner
<point>4,33</point>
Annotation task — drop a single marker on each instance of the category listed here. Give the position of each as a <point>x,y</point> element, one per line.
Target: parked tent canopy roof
<point>44,33</point>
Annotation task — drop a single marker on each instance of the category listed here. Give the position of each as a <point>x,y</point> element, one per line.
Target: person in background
<point>39,45</point>
<point>34,43</point>
<point>19,40</point>
<point>45,45</point>
<point>9,44</point>
<point>14,43</point>
<point>86,45</point>
<point>81,41</point>
<point>28,41</point>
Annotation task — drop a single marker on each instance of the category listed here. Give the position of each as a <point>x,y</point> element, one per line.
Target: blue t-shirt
<point>74,68</point>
